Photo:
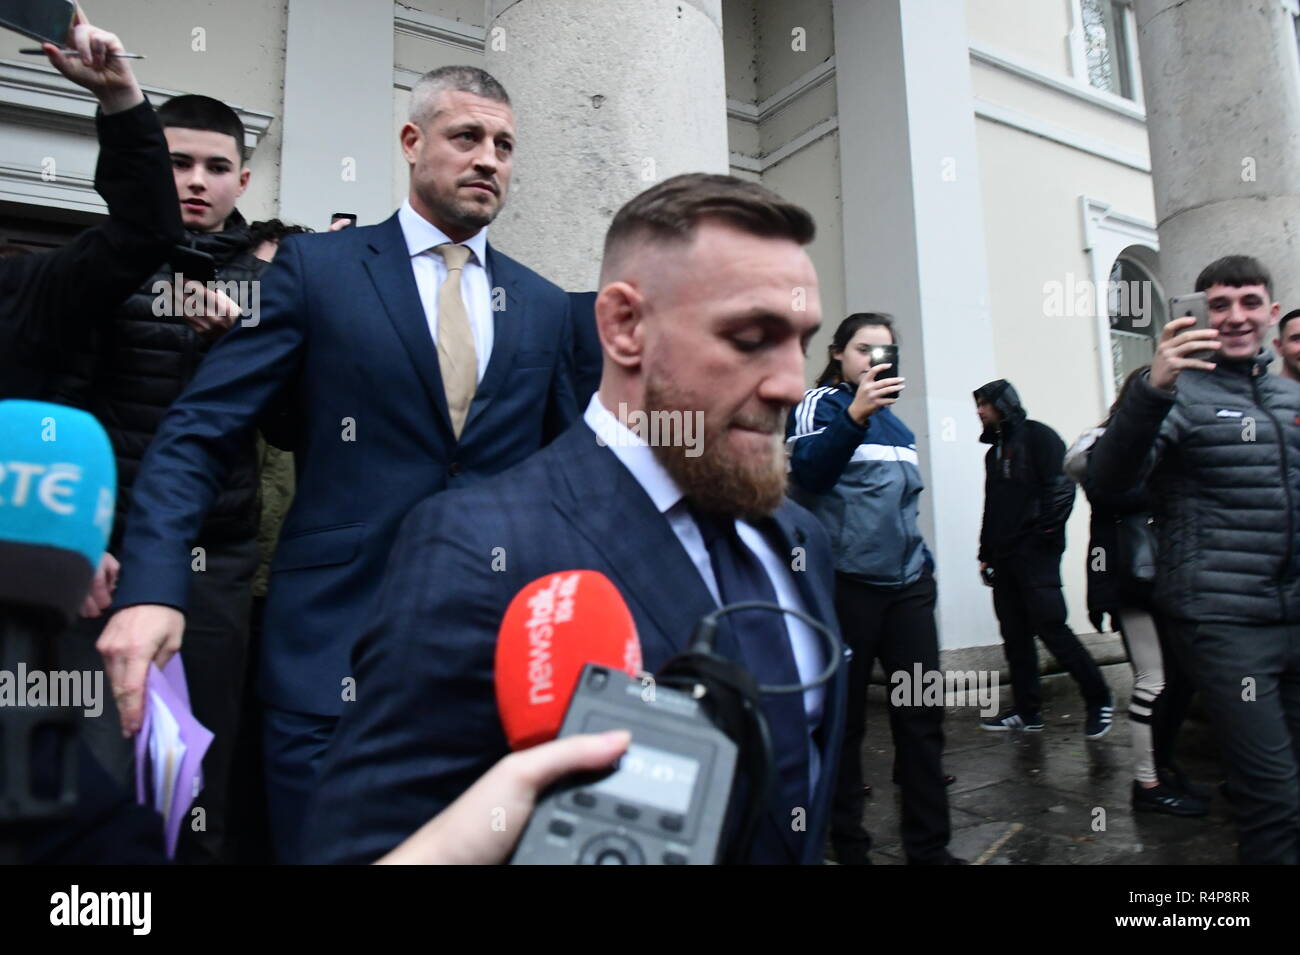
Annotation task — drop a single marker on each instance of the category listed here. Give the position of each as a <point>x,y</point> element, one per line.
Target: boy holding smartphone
<point>127,370</point>
<point>1218,440</point>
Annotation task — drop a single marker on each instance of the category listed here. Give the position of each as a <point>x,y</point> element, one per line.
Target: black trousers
<point>213,651</point>
<point>1028,601</point>
<point>1250,678</point>
<point>896,625</point>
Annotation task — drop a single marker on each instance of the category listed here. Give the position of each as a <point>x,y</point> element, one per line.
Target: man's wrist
<point>119,100</point>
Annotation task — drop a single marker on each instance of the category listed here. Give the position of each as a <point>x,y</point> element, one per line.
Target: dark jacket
<point>134,366</point>
<point>863,483</point>
<point>49,300</point>
<point>429,726</point>
<point>1222,455</point>
<point>343,341</point>
<point>1027,497</point>
<point>1111,584</point>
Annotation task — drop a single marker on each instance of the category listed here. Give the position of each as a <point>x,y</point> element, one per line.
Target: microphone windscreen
<point>552,628</point>
<point>58,487</point>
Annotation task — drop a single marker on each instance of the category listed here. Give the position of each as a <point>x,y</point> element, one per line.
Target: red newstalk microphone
<point>551,629</point>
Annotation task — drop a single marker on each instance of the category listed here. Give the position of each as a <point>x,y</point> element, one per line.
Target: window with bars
<point>1107,53</point>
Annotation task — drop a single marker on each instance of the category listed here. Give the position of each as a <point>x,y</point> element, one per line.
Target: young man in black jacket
<point>48,300</point>
<point>1218,440</point>
<point>127,371</point>
<point>1027,500</point>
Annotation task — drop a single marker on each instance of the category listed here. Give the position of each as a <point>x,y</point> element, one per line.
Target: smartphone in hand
<point>49,21</point>
<point>1197,306</point>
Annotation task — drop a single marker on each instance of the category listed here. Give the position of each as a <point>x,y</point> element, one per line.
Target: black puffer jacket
<point>1027,497</point>
<point>137,364</point>
<point>1223,454</point>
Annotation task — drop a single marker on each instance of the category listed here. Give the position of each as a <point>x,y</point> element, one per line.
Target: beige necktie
<point>456,357</point>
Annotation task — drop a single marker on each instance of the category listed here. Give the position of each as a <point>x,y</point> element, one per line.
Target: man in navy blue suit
<point>406,357</point>
<point>707,303</point>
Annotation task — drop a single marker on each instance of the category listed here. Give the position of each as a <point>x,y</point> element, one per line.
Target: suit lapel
<point>786,536</point>
<point>508,322</point>
<point>389,267</point>
<point>820,604</point>
<point>650,567</point>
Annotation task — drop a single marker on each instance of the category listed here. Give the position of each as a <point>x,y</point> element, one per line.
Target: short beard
<point>716,481</point>
<point>463,215</point>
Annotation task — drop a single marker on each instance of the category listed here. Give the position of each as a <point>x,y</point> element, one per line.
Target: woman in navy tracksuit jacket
<point>853,463</point>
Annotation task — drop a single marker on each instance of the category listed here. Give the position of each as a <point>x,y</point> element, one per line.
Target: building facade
<point>980,168</point>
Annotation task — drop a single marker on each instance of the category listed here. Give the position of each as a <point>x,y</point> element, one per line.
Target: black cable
<point>701,665</point>
<point>706,633</point>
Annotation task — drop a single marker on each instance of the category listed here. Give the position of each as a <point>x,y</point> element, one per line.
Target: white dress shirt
<point>430,271</point>
<point>639,458</point>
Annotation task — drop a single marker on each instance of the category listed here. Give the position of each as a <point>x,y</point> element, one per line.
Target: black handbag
<point>1135,541</point>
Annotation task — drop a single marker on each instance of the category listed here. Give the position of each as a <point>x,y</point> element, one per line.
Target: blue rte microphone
<point>58,487</point>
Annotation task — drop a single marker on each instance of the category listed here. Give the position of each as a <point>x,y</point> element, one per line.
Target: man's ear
<point>409,136</point>
<point>619,308</point>
<point>244,174</point>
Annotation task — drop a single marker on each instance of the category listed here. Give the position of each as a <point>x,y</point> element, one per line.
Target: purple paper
<point>170,686</point>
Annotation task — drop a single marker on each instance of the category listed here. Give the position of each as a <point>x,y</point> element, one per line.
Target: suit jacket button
<point>454,468</point>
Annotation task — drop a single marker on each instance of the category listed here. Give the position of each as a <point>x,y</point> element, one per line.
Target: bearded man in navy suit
<point>400,359</point>
<point>707,304</point>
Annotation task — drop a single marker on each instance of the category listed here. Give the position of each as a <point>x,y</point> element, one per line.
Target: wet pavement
<point>1052,797</point>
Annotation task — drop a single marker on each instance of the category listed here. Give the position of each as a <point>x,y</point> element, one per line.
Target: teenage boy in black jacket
<point>47,300</point>
<point>1027,500</point>
<point>1218,440</point>
<point>127,370</point>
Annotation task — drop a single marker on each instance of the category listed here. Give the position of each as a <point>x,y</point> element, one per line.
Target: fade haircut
<point>447,79</point>
<point>670,212</point>
<point>1281,326</point>
<point>193,111</point>
<point>1237,271</point>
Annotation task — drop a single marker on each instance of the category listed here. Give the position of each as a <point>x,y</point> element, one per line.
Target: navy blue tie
<point>764,649</point>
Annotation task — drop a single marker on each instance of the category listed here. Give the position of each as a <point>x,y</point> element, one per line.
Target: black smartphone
<point>49,21</point>
<point>193,264</point>
<point>344,215</point>
<point>885,355</point>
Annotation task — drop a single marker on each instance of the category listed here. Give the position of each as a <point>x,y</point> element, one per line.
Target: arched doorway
<point>1136,308</point>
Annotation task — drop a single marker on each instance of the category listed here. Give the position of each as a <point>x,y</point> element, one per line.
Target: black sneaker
<point>1013,721</point>
<point>1164,799</point>
<point>1099,721</point>
<point>1174,777</point>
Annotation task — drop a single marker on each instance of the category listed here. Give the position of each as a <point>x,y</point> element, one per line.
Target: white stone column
<point>914,246</point>
<point>1222,87</point>
<point>338,141</point>
<point>609,98</point>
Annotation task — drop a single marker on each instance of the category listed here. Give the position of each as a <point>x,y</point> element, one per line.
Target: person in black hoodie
<point>1027,500</point>
<point>127,373</point>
